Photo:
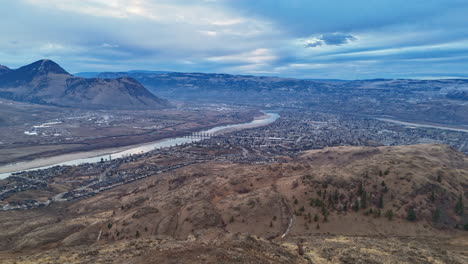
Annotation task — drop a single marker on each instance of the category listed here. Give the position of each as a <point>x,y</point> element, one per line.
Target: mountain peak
<point>44,66</point>
<point>4,69</point>
<point>45,82</point>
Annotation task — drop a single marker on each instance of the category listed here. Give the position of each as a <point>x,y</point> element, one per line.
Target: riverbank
<point>97,155</point>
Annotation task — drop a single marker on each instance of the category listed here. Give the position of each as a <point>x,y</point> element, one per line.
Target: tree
<point>389,214</point>
<point>109,225</point>
<point>364,200</point>
<point>335,196</point>
<point>432,197</point>
<point>360,189</point>
<point>324,211</point>
<point>459,207</point>
<point>315,218</point>
<point>137,234</point>
<point>380,204</point>
<point>436,215</point>
<point>231,220</point>
<point>465,227</point>
<point>356,205</point>
<point>411,215</point>
<point>439,177</point>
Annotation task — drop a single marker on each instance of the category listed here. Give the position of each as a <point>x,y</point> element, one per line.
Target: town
<point>294,132</point>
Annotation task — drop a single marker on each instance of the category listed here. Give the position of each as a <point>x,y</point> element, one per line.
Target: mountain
<point>45,82</point>
<point>4,69</point>
<point>359,199</point>
<point>433,101</point>
<point>458,95</point>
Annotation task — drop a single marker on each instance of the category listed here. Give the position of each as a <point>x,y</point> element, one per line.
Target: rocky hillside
<point>418,191</point>
<point>45,82</point>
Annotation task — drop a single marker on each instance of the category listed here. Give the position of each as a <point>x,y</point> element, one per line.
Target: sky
<point>316,39</point>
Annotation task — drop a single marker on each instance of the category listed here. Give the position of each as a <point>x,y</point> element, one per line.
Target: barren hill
<point>349,192</point>
<point>45,82</point>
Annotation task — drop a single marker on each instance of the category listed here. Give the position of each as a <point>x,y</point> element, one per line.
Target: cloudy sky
<point>344,39</point>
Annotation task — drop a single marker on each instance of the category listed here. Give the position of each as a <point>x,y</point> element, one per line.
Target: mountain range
<point>435,101</point>
<point>45,82</point>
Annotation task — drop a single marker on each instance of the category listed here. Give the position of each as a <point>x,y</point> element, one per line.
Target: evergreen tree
<point>459,207</point>
<point>411,215</point>
<point>389,214</point>
<point>436,215</point>
<point>439,178</point>
<point>364,200</point>
<point>360,189</point>
<point>380,203</point>
<point>356,205</point>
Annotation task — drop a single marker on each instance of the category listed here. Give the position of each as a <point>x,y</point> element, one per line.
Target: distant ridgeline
<point>440,101</point>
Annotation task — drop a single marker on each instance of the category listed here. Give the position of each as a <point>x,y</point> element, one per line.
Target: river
<point>97,155</point>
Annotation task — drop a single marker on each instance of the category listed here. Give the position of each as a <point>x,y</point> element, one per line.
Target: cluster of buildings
<point>294,132</point>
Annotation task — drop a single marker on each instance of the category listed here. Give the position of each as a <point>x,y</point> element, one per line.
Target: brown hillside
<point>313,195</point>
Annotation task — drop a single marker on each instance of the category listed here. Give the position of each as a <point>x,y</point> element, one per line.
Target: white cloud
<point>107,45</point>
<point>257,56</point>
